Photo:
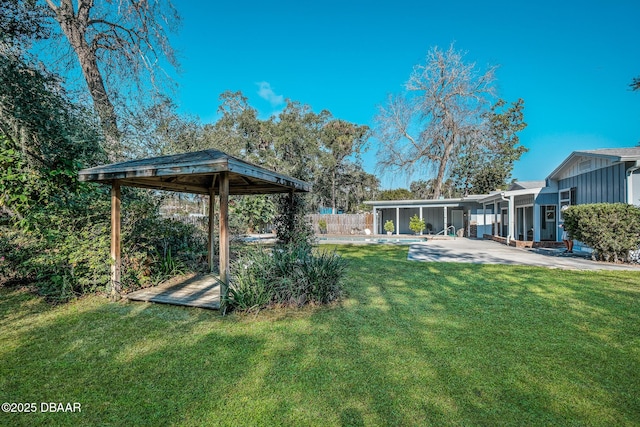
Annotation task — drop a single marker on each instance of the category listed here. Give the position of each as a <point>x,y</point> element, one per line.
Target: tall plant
<point>292,226</point>
<point>416,224</point>
<point>611,230</point>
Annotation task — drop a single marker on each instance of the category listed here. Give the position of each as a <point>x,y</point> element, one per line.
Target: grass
<point>412,344</point>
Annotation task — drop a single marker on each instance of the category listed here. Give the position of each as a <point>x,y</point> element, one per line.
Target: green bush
<point>155,248</point>
<point>54,229</point>
<point>389,227</point>
<point>61,249</point>
<point>611,230</point>
<point>285,275</point>
<point>322,225</point>
<point>291,223</point>
<point>416,224</point>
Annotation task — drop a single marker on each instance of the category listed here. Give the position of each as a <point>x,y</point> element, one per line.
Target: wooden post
<point>224,233</point>
<point>210,246</point>
<point>444,216</point>
<point>115,240</point>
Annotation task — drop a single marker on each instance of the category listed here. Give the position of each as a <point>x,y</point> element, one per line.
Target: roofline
<point>614,158</point>
<point>522,192</point>
<point>424,202</point>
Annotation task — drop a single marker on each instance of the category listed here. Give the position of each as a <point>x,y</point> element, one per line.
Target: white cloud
<point>265,92</point>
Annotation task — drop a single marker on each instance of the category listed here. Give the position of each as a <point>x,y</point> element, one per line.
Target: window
<point>567,198</point>
<point>550,213</point>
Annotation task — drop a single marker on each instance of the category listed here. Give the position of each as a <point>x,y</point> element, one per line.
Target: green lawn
<point>412,344</point>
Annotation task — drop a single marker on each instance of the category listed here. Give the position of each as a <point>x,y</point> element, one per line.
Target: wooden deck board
<point>198,291</point>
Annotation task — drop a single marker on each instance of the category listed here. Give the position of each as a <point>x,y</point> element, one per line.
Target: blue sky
<point>571,63</point>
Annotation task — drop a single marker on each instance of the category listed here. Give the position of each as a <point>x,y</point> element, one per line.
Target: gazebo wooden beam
<point>210,244</point>
<point>224,233</point>
<point>115,240</point>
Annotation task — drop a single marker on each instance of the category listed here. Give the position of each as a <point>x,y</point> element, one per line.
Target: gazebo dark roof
<point>195,173</point>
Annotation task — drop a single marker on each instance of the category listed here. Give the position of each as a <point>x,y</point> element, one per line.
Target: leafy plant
<point>254,211</point>
<point>292,226</point>
<point>611,230</point>
<point>322,225</point>
<point>416,224</point>
<point>285,275</point>
<point>389,227</point>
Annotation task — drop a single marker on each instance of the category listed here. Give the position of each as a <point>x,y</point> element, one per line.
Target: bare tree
<point>438,116</point>
<point>115,43</point>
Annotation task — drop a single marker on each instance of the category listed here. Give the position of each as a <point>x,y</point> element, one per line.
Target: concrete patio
<point>479,251</point>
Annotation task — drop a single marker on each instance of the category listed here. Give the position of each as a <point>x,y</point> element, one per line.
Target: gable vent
<point>584,166</point>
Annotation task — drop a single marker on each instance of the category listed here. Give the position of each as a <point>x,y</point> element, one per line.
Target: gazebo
<point>208,172</point>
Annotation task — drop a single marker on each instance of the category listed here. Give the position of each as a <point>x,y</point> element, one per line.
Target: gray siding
<point>605,185</point>
<point>524,200</point>
<point>433,216</point>
<point>547,199</point>
<point>635,197</point>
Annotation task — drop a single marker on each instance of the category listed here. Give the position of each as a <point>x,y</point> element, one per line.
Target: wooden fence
<point>343,223</point>
<point>336,223</point>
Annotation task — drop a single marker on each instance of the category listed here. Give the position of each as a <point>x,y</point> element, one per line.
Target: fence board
<point>343,223</point>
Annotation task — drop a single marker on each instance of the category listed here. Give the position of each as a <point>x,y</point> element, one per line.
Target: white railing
<point>446,230</point>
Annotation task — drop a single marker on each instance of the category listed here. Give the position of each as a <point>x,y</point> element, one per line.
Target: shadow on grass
<point>413,344</point>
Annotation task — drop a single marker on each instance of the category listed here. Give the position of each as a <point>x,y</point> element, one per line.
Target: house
<point>527,213</point>
<point>439,213</point>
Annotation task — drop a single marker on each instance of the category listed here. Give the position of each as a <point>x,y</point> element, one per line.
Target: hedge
<point>611,230</point>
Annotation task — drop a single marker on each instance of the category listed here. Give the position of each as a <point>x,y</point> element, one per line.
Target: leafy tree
<point>158,129</point>
<point>297,140</point>
<point>114,43</point>
<point>356,186</point>
<point>21,22</point>
<point>353,187</point>
<point>488,163</point>
<point>422,189</point>
<point>342,139</point>
<point>51,227</point>
<point>39,156</point>
<point>397,194</point>
<point>437,118</point>
<point>240,132</point>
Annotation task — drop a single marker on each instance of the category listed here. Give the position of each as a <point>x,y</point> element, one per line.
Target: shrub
<point>416,224</point>
<point>611,230</point>
<point>286,275</point>
<point>322,225</point>
<point>291,224</point>
<point>61,249</point>
<point>389,227</point>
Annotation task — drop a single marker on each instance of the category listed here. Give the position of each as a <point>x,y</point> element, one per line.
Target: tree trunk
<point>333,193</point>
<point>74,28</point>
<point>103,105</point>
<point>437,186</point>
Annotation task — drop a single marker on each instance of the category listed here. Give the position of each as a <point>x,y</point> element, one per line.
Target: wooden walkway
<point>199,291</point>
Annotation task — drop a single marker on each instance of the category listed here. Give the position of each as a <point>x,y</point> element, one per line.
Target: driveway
<point>490,252</point>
